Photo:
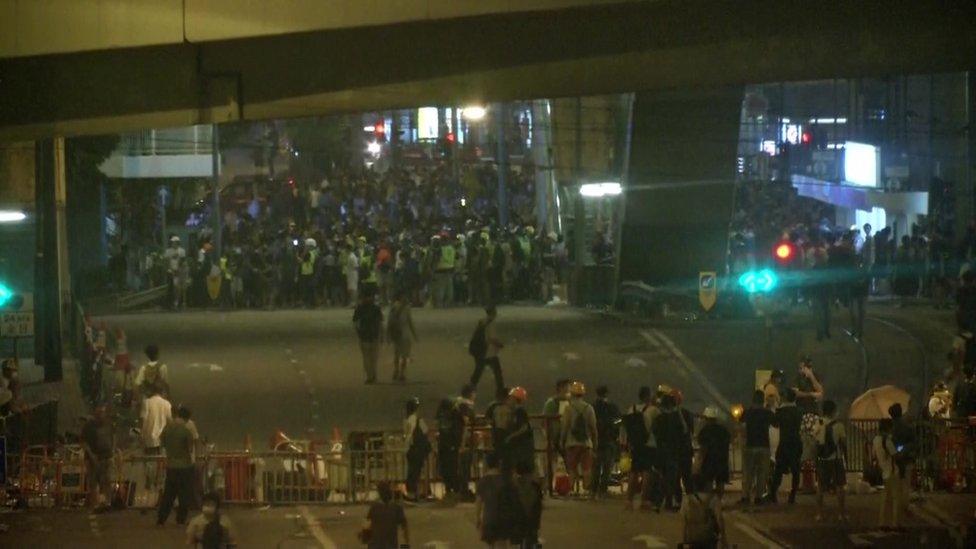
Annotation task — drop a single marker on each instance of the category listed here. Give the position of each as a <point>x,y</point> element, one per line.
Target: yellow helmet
<point>577,388</point>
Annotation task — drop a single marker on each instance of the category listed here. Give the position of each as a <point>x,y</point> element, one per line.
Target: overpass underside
<point>624,47</point>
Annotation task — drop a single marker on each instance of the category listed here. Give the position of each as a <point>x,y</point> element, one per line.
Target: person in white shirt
<point>152,374</point>
<point>156,413</point>
<point>895,493</point>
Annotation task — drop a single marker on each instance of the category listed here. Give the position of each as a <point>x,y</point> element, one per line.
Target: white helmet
<point>310,243</point>
<point>174,238</point>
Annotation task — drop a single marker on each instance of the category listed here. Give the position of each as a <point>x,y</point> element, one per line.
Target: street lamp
<point>12,216</point>
<point>474,113</point>
<point>598,190</point>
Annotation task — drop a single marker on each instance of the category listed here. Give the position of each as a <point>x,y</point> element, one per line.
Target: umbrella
<point>874,403</point>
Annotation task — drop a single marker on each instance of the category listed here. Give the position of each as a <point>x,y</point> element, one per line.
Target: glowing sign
<point>427,123</point>
<point>860,164</point>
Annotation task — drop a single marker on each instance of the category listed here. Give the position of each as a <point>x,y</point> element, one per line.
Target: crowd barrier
<point>301,473</point>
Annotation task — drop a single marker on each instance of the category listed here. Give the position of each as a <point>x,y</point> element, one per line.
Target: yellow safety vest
<point>446,262</point>
<point>308,265</point>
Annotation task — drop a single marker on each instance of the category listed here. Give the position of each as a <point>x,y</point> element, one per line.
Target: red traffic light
<point>379,129</point>
<point>784,252</point>
<point>806,138</point>
<point>450,138</point>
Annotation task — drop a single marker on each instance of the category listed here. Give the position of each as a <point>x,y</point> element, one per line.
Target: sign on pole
<point>18,322</point>
<point>707,289</point>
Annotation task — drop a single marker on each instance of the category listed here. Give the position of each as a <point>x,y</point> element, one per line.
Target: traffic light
<point>9,300</point>
<point>763,281</point>
<point>784,252</point>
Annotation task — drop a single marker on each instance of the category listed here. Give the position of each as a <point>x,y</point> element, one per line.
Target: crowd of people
<point>416,231</point>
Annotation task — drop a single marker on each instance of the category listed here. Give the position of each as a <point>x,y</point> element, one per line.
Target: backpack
<point>826,445</point>
<point>637,435</point>
<point>152,379</point>
<point>701,524</point>
<point>607,417</point>
<point>578,429</point>
<point>478,346</point>
<point>213,534</point>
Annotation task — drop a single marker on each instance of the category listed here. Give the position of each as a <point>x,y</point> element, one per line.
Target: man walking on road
<point>177,440</point>
<point>402,334</point>
<point>755,467</point>
<point>579,431</point>
<point>368,319</point>
<point>788,418</point>
<point>484,348</point>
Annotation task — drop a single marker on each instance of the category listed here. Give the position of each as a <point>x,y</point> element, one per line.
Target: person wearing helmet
<point>578,434</point>
<point>771,389</point>
<point>520,440</point>
<point>713,447</point>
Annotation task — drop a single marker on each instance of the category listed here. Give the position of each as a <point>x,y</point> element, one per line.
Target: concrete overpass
<point>69,67</point>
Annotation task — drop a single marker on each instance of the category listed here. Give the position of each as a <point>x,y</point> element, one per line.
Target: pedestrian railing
<point>43,475</point>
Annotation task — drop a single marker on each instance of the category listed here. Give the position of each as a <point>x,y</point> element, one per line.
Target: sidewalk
<point>67,392</point>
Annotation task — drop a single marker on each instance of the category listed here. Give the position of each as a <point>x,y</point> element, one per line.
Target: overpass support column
<point>679,187</point>
<point>51,285</point>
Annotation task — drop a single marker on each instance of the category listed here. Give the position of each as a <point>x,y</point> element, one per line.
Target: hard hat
<point>362,239</point>
<point>663,389</point>
<point>310,242</point>
<point>530,229</point>
<point>460,237</point>
<point>519,394</point>
<point>553,235</point>
<point>174,238</point>
<point>577,388</point>
<point>710,412</point>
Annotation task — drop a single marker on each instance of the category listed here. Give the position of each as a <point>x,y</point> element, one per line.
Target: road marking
<point>748,527</point>
<point>655,337</point>
<point>651,542</point>
<point>315,528</point>
<point>935,516</point>
<point>93,523</point>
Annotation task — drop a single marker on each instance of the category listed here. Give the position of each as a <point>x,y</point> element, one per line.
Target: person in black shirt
<point>369,323</point>
<point>788,418</point>
<point>607,419</point>
<point>669,430</point>
<point>755,458</point>
<point>713,443</point>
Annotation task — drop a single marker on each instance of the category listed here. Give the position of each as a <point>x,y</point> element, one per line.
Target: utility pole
<point>501,113</point>
<point>215,157</point>
<point>47,284</point>
<point>579,209</point>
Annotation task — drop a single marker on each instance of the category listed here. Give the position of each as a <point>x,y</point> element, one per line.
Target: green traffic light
<point>763,281</point>
<point>6,294</point>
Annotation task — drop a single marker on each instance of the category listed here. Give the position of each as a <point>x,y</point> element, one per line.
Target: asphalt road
<point>254,372</point>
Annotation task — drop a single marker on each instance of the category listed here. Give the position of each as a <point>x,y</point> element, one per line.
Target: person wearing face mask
<point>211,529</point>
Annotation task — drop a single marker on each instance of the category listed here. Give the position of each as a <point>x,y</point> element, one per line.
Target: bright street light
<point>373,148</point>
<point>12,216</point>
<point>600,189</point>
<point>474,112</point>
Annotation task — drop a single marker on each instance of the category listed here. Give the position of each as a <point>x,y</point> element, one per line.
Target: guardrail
<point>42,475</point>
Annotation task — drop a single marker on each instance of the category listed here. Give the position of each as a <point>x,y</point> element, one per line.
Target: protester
<point>153,375</point>
<point>553,411</point>
<point>384,520</point>
<point>755,458</point>
<point>530,500</point>
<point>578,434</point>
<point>499,414</point>
<point>418,446</point>
<point>643,448</point>
<point>713,443</point>
<point>608,429</point>
<point>520,440</point>
<point>211,529</point>
<point>831,470</point>
<point>905,442</point>
<point>401,332</point>
<point>490,510</point>
<point>788,419</point>
<point>771,390</point>
<point>809,390</point>
<point>895,488</point>
<point>484,347</point>
<point>157,412</point>
<point>686,450</point>
<point>465,410</point>
<point>177,440</point>
<point>368,319</point>
<point>669,430</point>
<point>98,443</point>
<point>450,428</point>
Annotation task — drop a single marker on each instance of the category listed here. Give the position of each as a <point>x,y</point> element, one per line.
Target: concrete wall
<point>35,27</point>
<point>17,173</point>
<point>679,190</point>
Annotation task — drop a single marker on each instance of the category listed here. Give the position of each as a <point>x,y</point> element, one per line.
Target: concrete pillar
<point>47,283</point>
<point>680,184</point>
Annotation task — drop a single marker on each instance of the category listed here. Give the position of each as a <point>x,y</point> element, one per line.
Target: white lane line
<point>756,535</point>
<point>315,528</point>
<point>656,338</point>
